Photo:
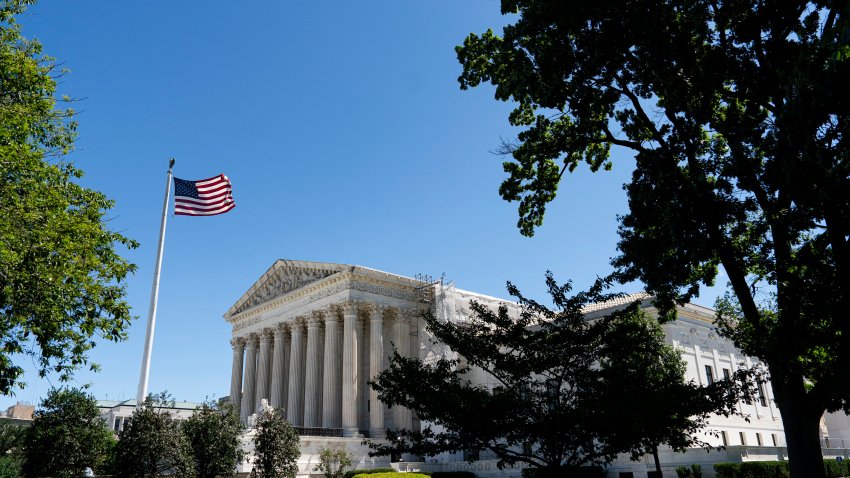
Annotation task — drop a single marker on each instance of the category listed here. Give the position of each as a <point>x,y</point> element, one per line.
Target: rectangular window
<point>758,439</point>
<point>725,438</point>
<point>743,438</point>
<point>727,374</point>
<point>775,439</point>
<point>762,395</point>
<point>709,374</point>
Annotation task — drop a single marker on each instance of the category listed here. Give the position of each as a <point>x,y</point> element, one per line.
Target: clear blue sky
<point>346,138</point>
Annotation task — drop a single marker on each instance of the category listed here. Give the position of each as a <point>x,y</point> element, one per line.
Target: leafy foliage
<point>67,436</point>
<point>648,403</point>
<point>60,276</point>
<point>557,400</point>
<point>153,444</point>
<point>392,474</point>
<point>214,433</point>
<point>365,471</point>
<point>333,462</point>
<point>737,114</point>
<point>12,439</point>
<point>276,446</point>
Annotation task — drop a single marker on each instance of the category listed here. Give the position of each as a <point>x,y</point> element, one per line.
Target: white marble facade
<point>307,336</point>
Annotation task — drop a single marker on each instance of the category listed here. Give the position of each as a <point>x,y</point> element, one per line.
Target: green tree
<point>736,112</point>
<point>333,462</point>
<point>153,444</point>
<point>214,433</point>
<point>556,398</point>
<point>276,446</point>
<point>67,436</point>
<point>60,276</point>
<point>11,449</point>
<point>647,402</point>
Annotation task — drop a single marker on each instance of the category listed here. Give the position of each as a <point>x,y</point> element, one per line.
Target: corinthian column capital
<point>376,312</point>
<point>298,323</point>
<point>316,319</point>
<point>267,335</point>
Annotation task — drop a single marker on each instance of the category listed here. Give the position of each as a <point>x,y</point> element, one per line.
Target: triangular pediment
<point>283,277</point>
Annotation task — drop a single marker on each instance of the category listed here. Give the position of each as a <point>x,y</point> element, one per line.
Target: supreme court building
<point>308,335</point>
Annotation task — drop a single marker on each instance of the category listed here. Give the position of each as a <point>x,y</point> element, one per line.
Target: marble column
<point>295,412</point>
<point>350,370</point>
<point>250,377</point>
<point>402,416</point>
<point>238,344</point>
<point>263,363</point>
<point>332,391</point>
<point>278,389</point>
<point>376,365</point>
<point>287,355</point>
<point>313,375</point>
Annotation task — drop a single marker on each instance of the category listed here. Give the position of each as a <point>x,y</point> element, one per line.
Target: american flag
<point>206,197</point>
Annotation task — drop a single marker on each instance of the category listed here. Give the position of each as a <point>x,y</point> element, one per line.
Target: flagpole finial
<point>170,164</point>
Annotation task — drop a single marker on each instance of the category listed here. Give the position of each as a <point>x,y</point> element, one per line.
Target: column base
<point>351,433</point>
<point>377,433</point>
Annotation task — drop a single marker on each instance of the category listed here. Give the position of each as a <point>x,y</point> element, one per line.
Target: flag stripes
<point>206,197</point>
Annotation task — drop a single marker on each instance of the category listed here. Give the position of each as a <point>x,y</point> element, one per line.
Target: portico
<point>308,336</point>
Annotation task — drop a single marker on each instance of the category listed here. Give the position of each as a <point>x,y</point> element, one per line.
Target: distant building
<point>117,413</point>
<point>19,411</point>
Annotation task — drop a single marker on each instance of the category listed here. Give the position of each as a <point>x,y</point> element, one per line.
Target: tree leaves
<point>61,279</point>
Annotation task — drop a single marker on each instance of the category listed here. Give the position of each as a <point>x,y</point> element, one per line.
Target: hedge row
<point>774,469</point>
<point>389,472</point>
<point>575,472</point>
<point>351,473</point>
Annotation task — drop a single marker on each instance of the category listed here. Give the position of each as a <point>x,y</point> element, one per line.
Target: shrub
<point>391,474</point>
<point>276,446</point>
<point>366,471</point>
<point>835,468</point>
<point>764,469</point>
<point>572,472</point>
<point>726,470</point>
<point>753,469</point>
<point>333,462</point>
<point>683,472</point>
<point>696,470</point>
<point>452,474</point>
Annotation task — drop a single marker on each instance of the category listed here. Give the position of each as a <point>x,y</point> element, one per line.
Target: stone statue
<point>264,404</point>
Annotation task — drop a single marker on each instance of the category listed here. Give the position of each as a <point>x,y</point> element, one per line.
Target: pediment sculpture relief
<point>282,282</point>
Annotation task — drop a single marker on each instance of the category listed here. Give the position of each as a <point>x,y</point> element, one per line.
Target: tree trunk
<point>801,419</point>
<point>657,461</point>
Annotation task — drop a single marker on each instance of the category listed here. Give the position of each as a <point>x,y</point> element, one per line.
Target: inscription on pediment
<point>283,281</point>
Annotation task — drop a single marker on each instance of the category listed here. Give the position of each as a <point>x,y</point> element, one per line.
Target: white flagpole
<point>146,358</point>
